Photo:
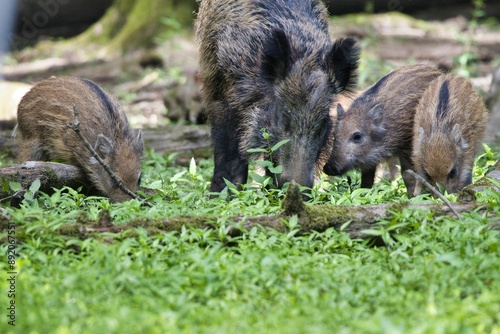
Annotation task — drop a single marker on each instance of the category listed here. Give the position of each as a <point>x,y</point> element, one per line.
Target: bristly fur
<point>271,64</point>
<point>379,124</point>
<point>43,117</point>
<point>450,123</point>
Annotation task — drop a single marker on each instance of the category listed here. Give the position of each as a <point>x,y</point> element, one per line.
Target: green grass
<point>434,274</point>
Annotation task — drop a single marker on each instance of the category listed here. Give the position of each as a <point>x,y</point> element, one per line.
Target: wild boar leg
<point>228,160</point>
<point>409,180</point>
<point>368,177</point>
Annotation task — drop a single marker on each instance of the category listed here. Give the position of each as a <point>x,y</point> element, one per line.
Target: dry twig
<point>434,191</point>
<point>76,127</point>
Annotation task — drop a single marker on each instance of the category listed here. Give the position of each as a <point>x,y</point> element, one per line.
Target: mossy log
<point>50,174</point>
<point>354,220</point>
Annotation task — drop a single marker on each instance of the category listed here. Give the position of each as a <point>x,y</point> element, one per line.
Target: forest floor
<point>159,85</point>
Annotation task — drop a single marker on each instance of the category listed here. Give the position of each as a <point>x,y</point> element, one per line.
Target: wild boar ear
<point>276,56</point>
<point>376,114</point>
<point>457,137</point>
<point>340,112</point>
<point>138,143</point>
<point>342,64</point>
<point>103,146</point>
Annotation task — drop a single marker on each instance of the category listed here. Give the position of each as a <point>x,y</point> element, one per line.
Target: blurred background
<point>142,51</point>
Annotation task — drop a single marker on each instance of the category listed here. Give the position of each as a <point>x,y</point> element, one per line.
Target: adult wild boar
<point>271,64</point>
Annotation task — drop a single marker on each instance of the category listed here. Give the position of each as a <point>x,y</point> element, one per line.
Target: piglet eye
<point>114,184</point>
<point>357,137</point>
<point>453,173</point>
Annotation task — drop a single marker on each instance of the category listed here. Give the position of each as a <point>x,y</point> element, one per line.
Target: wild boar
<point>271,64</point>
<point>450,124</point>
<point>379,124</point>
<point>44,114</point>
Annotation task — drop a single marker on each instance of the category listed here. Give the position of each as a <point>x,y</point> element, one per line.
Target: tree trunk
<point>131,24</point>
<point>493,100</point>
<point>128,25</point>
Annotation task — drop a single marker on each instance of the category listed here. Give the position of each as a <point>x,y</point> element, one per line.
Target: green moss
<point>176,224</point>
<point>72,230</point>
<point>468,194</point>
<point>167,225</point>
<point>366,22</point>
<point>293,203</point>
<point>127,25</point>
<point>397,206</point>
<point>52,179</point>
<point>144,23</point>
<point>320,217</point>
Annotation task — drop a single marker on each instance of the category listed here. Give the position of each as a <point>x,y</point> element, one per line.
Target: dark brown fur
<point>450,123</point>
<point>379,124</point>
<point>270,64</point>
<point>43,117</point>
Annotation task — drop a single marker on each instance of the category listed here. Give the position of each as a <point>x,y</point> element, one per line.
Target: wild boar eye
<point>427,176</point>
<point>453,173</point>
<point>357,137</point>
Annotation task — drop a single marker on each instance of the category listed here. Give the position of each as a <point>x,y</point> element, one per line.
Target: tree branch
<point>434,191</point>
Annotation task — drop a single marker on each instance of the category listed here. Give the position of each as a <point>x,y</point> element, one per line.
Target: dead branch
<point>354,220</point>
<point>433,190</point>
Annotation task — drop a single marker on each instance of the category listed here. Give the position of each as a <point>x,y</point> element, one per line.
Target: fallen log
<point>188,140</point>
<point>354,220</point>
<point>50,174</point>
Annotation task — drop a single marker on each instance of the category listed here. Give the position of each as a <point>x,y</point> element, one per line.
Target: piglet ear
<point>103,146</point>
<point>276,56</point>
<point>138,143</point>
<point>421,134</point>
<point>342,64</point>
<point>376,114</point>
<point>457,137</point>
<point>340,112</point>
